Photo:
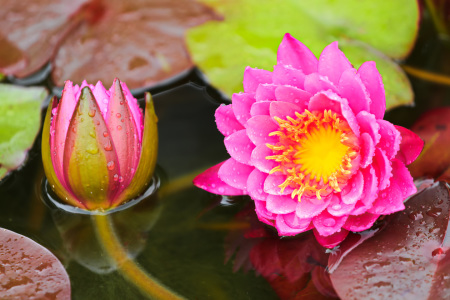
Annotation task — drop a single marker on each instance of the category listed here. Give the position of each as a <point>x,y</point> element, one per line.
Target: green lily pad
<point>251,31</point>
<point>20,121</point>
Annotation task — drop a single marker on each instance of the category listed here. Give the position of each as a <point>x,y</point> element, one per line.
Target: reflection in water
<point>294,267</point>
<point>131,223</point>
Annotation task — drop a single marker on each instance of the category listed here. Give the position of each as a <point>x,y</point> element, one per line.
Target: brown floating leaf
<point>408,259</point>
<point>30,32</point>
<point>434,128</point>
<point>29,271</point>
<point>140,41</point>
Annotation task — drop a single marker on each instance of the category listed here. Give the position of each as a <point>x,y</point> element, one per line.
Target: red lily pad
<point>29,271</point>
<point>434,128</point>
<point>141,40</point>
<point>408,259</point>
<point>30,32</point>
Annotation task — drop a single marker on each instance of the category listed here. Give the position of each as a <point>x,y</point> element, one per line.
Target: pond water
<point>197,244</point>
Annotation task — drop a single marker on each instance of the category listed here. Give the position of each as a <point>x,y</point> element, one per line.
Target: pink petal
<point>226,121</point>
<point>242,104</point>
<point>404,180</point>
<point>352,88</point>
<point>102,97</point>
<point>293,221</point>
<point>210,182</point>
<point>294,53</point>
<point>325,100</point>
<point>239,146</point>
<point>135,110</point>
<point>271,185</point>
<point>390,138</point>
<point>367,150</point>
<point>330,100</point>
<point>286,75</point>
<point>285,230</point>
<point>327,224</point>
<point>260,108</point>
<point>258,158</point>
<point>263,214</point>
<point>389,200</point>
<point>410,147</point>
<point>331,241</point>
<point>259,128</point>
<point>338,208</point>
<point>311,207</point>
<point>315,83</point>
<point>283,110</point>
<point>60,124</point>
<point>368,123</point>
<point>332,63</point>
<point>255,77</point>
<point>235,174</point>
<point>280,204</point>
<point>383,168</point>
<point>373,82</point>
<point>361,222</point>
<point>370,191</point>
<point>293,95</point>
<point>255,185</point>
<point>265,92</point>
<point>360,208</point>
<point>353,190</point>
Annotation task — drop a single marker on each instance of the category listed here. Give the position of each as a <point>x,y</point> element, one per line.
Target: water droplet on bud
<point>119,127</point>
<point>118,115</point>
<point>105,133</point>
<point>110,165</point>
<point>108,146</point>
<point>91,113</point>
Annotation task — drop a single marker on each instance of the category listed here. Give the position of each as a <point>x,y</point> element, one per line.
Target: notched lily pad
<point>408,259</point>
<point>29,271</point>
<point>252,30</point>
<point>19,123</point>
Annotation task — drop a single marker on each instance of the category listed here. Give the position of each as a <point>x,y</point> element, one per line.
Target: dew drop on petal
<point>119,127</point>
<point>116,177</point>
<point>110,165</point>
<point>108,146</point>
<point>105,133</point>
<point>91,113</point>
<point>118,115</point>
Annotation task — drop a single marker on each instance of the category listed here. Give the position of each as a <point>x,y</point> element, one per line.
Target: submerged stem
<point>426,75</point>
<point>148,285</point>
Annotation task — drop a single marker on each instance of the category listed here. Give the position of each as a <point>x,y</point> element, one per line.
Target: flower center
<point>315,151</point>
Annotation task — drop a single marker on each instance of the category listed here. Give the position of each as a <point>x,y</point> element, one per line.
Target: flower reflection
<point>293,267</point>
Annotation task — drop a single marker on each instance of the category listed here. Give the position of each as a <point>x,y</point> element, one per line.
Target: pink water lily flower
<point>309,145</point>
<point>97,149</point>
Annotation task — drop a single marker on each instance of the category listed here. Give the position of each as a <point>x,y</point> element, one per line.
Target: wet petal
<point>294,53</point>
<point>403,178</point>
<point>383,168</point>
<point>332,63</point>
<point>315,83</point>
<point>361,222</point>
<point>210,181</point>
<point>272,182</point>
<point>308,208</point>
<point>260,108</point>
<point>370,191</point>
<point>353,190</point>
<point>259,128</point>
<point>283,110</point>
<point>239,146</point>
<point>293,95</point>
<point>410,147</point>
<point>284,229</point>
<point>338,208</point>
<point>280,204</point>
<point>367,150</point>
<point>351,87</point>
<point>235,174</point>
<point>226,120</point>
<point>255,77</point>
<point>263,214</point>
<point>242,103</point>
<point>389,200</point>
<point>265,92</point>
<point>286,75</point>
<point>331,241</point>
<point>258,158</point>
<point>327,224</point>
<point>373,82</point>
<point>255,185</point>
<point>368,123</point>
<point>390,138</point>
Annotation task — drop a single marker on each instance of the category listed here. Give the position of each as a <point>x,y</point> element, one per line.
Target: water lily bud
<point>97,148</point>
